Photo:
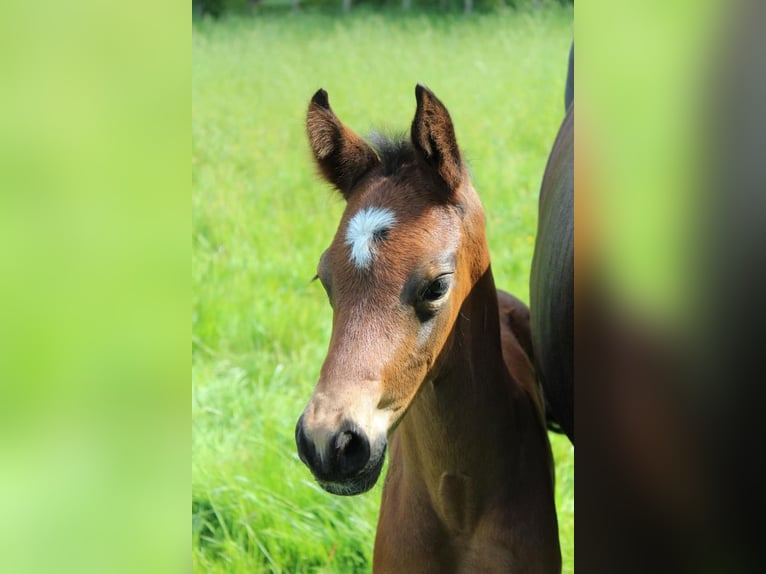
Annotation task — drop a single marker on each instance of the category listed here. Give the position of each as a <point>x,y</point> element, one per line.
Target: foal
<point>416,356</point>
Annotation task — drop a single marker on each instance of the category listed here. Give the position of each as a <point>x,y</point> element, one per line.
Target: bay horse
<point>416,362</point>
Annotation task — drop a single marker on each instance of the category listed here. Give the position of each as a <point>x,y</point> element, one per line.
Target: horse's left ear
<point>342,156</point>
<point>434,139</point>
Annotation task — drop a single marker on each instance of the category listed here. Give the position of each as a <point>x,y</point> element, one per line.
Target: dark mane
<point>395,152</point>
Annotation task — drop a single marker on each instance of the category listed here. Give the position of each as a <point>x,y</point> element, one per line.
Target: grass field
<point>261,218</point>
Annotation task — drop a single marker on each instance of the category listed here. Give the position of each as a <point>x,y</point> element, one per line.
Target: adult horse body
<point>417,347</point>
<point>551,290</point>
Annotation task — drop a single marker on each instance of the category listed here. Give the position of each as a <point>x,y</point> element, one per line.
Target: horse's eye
<point>437,289</point>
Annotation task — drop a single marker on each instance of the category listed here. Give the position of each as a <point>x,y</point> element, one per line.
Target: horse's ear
<point>342,156</point>
<point>434,139</point>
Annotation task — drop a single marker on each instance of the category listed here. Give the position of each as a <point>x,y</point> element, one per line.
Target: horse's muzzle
<point>345,464</point>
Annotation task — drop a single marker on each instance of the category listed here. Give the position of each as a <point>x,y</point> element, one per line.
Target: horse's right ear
<point>342,156</point>
<point>433,138</point>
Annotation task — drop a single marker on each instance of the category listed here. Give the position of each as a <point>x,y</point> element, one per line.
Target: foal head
<point>408,250</point>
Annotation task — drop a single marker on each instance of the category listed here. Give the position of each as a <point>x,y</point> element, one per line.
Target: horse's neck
<point>462,435</point>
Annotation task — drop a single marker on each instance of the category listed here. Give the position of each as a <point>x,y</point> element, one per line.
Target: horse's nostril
<point>345,441</point>
<point>352,451</point>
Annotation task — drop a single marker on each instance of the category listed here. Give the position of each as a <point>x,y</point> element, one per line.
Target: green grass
<point>261,218</point>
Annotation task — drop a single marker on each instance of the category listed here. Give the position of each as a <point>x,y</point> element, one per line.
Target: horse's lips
<point>358,484</point>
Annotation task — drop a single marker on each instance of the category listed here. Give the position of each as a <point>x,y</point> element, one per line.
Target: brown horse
<point>416,361</point>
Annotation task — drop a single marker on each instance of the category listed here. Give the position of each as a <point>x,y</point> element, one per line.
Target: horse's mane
<point>394,151</point>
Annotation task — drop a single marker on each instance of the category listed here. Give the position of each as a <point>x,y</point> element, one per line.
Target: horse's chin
<point>359,483</point>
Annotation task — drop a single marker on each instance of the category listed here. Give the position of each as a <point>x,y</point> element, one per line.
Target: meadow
<point>261,218</point>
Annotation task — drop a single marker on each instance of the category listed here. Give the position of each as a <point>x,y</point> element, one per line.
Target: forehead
<point>395,225</point>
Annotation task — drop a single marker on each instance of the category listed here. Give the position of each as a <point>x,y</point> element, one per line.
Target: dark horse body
<point>552,281</point>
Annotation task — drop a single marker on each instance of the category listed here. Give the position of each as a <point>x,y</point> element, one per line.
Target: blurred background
<point>217,8</point>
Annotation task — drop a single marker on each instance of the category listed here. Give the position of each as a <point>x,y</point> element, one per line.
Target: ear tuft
<point>433,137</point>
<point>420,92</point>
<point>321,99</point>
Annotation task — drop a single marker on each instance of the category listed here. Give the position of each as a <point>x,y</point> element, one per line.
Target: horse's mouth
<point>357,484</point>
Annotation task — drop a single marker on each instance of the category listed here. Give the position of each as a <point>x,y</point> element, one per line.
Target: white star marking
<point>364,229</point>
